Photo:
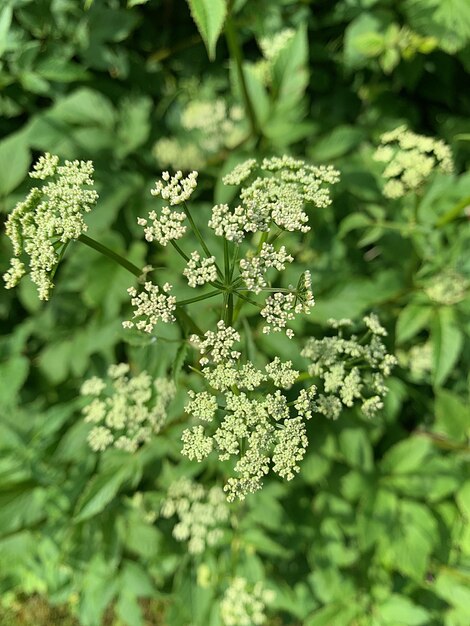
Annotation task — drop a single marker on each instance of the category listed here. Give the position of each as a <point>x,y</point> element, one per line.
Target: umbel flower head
<point>410,159</point>
<point>275,194</point>
<point>244,604</point>
<point>202,514</point>
<point>347,368</point>
<point>50,217</point>
<point>125,411</point>
<point>253,415</point>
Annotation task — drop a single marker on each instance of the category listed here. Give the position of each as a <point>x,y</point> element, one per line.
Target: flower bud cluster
<point>244,604</point>
<point>51,216</point>
<point>245,414</point>
<point>217,346</point>
<point>200,271</point>
<point>202,514</point>
<point>151,305</point>
<point>209,125</point>
<point>281,308</point>
<point>165,227</point>
<point>278,195</point>
<point>350,369</point>
<point>448,287</point>
<point>125,411</point>
<point>176,189</point>
<point>410,159</point>
<point>253,269</point>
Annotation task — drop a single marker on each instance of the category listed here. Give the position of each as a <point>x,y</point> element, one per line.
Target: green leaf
<point>13,373</point>
<point>353,221</point>
<point>355,445</point>
<point>411,320</point>
<point>179,360</point>
<point>463,500</point>
<point>5,22</point>
<point>15,160</point>
<point>452,416</point>
<point>400,611</point>
<point>99,492</point>
<point>406,456</point>
<point>447,341</point>
<point>209,16</point>
<point>337,143</point>
<point>337,614</point>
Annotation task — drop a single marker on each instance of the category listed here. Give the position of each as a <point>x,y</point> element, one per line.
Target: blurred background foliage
<point>374,531</point>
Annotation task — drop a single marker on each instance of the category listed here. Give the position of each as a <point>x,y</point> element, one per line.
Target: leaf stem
<point>236,54</point>
<point>114,256</point>
<point>211,294</point>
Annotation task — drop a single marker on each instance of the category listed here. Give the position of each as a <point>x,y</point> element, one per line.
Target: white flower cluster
<point>278,195</point>
<point>202,514</point>
<point>125,411</point>
<point>410,159</point>
<point>350,369</point>
<point>200,271</point>
<point>448,287</point>
<point>281,308</point>
<point>165,227</point>
<point>151,305</point>
<point>244,604</point>
<point>272,45</point>
<point>255,422</point>
<point>176,189</point>
<point>51,216</point>
<point>168,225</point>
<point>209,125</point>
<point>217,346</point>
<point>254,268</point>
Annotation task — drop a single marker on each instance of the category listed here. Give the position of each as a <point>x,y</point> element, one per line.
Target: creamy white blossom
<point>50,217</point>
<point>410,159</point>
<point>217,346</point>
<point>244,604</point>
<point>176,189</point>
<point>165,227</point>
<point>202,514</point>
<point>200,271</point>
<point>125,410</point>
<point>151,305</point>
<point>254,268</point>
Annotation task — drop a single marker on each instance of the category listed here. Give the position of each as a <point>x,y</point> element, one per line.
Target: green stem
<point>236,54</point>
<point>243,297</point>
<point>181,315</point>
<point>226,262</point>
<point>211,294</point>
<point>199,236</point>
<point>454,213</point>
<point>114,256</point>
<point>179,250</point>
<point>263,239</point>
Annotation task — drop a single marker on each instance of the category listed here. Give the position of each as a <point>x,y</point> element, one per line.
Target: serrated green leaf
<point>13,373</point>
<point>401,610</point>
<point>179,360</point>
<point>447,342</point>
<point>14,162</point>
<point>452,416</point>
<point>411,320</point>
<point>99,492</point>
<point>209,16</point>
<point>406,456</point>
<point>353,221</point>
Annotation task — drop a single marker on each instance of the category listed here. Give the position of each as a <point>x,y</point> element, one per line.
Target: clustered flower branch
<point>253,414</point>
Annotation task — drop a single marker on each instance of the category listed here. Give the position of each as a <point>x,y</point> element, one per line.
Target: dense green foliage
<point>374,531</point>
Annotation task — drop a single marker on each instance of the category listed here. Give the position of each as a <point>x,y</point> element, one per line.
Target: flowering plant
<point>249,410</point>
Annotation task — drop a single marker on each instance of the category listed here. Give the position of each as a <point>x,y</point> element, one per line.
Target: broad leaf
<point>209,16</point>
